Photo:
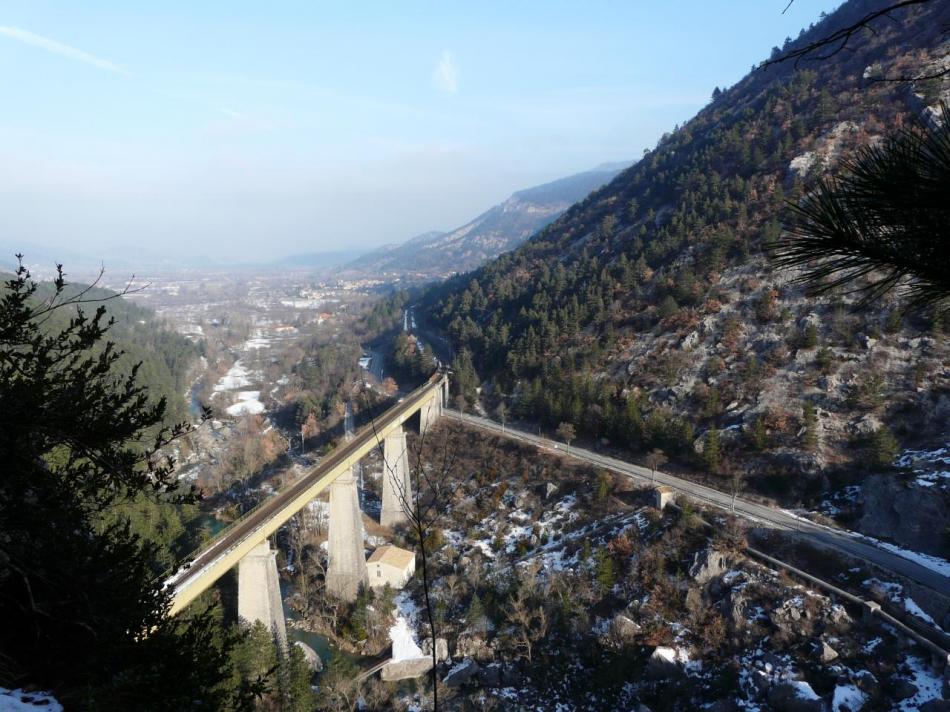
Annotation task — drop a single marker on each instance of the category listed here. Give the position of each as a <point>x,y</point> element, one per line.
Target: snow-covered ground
<point>934,563</point>
<point>236,377</point>
<point>248,402</point>
<point>20,701</point>
<point>402,635</point>
<point>895,592</point>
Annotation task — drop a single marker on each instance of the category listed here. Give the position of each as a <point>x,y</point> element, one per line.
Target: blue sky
<point>258,129</point>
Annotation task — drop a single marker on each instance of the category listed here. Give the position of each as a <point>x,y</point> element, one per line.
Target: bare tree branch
<point>832,44</point>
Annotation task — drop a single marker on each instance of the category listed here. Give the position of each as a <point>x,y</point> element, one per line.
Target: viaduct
<point>245,542</point>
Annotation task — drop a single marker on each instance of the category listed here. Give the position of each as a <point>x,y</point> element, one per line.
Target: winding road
<point>843,541</point>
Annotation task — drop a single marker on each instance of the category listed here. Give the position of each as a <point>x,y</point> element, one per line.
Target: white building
<point>392,565</point>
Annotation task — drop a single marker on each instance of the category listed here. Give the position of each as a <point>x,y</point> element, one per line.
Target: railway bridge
<point>245,542</point>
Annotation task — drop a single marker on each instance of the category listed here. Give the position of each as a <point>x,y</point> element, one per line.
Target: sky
<point>254,130</point>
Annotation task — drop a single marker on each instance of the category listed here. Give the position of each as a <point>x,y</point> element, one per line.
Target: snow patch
<point>20,701</point>
<point>848,697</point>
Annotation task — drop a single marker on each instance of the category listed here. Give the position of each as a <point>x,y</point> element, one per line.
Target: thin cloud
<point>445,76</point>
<point>45,43</point>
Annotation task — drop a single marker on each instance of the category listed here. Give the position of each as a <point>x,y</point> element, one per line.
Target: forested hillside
<point>165,356</point>
<point>649,314</point>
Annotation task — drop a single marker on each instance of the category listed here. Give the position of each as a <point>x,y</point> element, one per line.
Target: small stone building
<point>392,565</point>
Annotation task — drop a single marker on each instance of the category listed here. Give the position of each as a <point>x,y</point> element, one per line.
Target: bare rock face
<point>472,646</point>
<point>310,655</point>
<point>906,514</point>
<point>461,674</point>
<point>441,648</point>
<point>866,425</point>
<point>623,628</point>
<point>788,618</point>
<point>707,565</point>
<point>734,605</point>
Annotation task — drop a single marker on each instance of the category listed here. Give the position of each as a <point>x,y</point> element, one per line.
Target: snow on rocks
<point>932,467</point>
<point>847,698</point>
<point>20,701</point>
<point>928,683</point>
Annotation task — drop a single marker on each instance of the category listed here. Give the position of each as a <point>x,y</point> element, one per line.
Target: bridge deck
<point>255,526</point>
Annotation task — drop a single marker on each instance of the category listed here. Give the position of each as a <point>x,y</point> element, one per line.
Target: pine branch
<point>883,224</point>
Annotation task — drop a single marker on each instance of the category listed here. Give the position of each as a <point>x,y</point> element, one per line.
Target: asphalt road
<point>845,542</point>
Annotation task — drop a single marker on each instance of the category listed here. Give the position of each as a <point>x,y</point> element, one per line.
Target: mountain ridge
<point>500,228</point>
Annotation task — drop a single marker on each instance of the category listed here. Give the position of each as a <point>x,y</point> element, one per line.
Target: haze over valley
<point>535,357</point>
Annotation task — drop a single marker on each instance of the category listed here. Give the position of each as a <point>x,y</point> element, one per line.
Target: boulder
<point>666,662</point>
<point>787,618</point>
<point>707,565</point>
<point>310,655</point>
<point>405,669</point>
<point>441,648</point>
<point>461,674</point>
<point>623,628</point>
<point>826,653</point>
<point>794,696</point>
<point>838,616</point>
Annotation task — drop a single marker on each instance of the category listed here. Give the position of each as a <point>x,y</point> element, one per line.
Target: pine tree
<point>297,695</point>
<point>83,612</point>
<point>711,452</point>
<point>883,448</point>
<point>810,423</point>
<point>604,569</point>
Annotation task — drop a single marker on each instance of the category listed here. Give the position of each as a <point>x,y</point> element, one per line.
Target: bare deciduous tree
<point>526,612</point>
<point>501,412</point>
<point>656,459</point>
<point>423,507</point>
<point>566,432</point>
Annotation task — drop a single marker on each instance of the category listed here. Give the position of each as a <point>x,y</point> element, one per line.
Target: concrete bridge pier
<point>347,563</point>
<point>259,596</point>
<point>397,486</point>
<point>430,412</point>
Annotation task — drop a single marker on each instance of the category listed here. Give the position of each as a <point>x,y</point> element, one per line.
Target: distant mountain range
<point>499,229</point>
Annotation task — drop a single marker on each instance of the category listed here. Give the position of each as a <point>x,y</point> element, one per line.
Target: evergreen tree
<point>84,613</point>
<point>810,423</point>
<point>297,695</point>
<point>882,448</point>
<point>604,570</point>
<point>711,450</point>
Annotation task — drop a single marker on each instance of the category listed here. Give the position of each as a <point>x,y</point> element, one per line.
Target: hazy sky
<point>266,128</point>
